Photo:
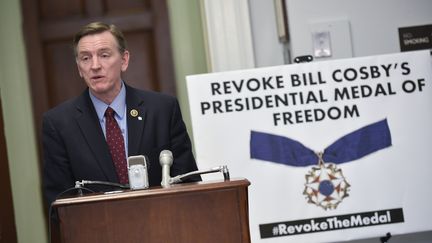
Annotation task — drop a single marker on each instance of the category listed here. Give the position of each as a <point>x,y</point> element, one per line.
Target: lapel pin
<point>134,113</point>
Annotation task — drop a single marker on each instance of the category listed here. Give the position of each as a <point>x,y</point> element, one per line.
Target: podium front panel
<point>194,212</point>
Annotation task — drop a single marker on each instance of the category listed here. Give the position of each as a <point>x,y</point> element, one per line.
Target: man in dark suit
<point>75,133</point>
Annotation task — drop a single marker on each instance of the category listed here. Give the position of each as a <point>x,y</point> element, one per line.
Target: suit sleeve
<point>57,172</point>
<point>181,146</point>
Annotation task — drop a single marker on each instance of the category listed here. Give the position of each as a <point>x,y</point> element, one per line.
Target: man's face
<point>100,64</point>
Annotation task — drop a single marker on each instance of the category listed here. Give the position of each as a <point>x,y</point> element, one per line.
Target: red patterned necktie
<point>116,145</point>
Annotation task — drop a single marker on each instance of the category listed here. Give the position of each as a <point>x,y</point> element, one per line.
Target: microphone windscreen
<point>166,157</point>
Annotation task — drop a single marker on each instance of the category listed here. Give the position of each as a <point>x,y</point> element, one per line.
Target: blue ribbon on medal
<point>325,185</point>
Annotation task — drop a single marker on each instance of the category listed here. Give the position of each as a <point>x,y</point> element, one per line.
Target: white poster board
<point>268,125</point>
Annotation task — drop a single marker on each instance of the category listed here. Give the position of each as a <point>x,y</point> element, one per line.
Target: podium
<point>213,211</point>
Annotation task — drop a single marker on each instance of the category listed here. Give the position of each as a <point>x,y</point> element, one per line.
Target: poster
<point>334,150</point>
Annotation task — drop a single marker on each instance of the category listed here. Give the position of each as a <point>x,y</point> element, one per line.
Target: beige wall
<point>188,47</point>
<point>189,58</point>
<point>19,130</point>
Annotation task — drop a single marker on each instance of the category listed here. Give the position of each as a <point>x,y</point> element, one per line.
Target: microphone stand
<point>223,169</point>
<point>80,184</point>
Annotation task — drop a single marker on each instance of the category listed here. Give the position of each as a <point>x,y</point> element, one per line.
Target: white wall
<point>373,24</point>
<point>267,48</point>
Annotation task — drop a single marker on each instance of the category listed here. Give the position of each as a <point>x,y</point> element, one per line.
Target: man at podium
<point>91,136</point>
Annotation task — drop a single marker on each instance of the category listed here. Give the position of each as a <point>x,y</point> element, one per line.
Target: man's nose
<point>95,63</point>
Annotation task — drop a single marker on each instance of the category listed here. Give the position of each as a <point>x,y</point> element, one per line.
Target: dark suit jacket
<point>75,148</point>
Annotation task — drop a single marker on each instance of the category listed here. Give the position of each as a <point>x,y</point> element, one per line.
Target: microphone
<point>165,160</point>
<point>180,178</point>
<point>137,172</point>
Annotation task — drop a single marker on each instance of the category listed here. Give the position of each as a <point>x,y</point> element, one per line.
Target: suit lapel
<point>92,132</point>
<point>136,116</point>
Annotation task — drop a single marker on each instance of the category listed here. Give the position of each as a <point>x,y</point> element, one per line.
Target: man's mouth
<point>97,77</point>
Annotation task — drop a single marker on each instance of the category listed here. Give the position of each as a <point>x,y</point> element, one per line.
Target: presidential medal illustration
<point>325,185</point>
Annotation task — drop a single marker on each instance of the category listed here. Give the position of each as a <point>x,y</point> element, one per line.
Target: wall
<point>373,24</point>
<point>18,126</point>
<point>188,47</point>
<point>358,28</point>
<point>267,48</point>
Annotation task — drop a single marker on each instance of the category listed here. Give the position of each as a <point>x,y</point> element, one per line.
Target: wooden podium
<point>203,212</point>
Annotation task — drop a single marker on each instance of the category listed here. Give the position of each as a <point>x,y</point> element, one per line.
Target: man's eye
<point>85,58</point>
<point>105,55</point>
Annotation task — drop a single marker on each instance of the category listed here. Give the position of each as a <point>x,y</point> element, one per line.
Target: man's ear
<point>125,60</point>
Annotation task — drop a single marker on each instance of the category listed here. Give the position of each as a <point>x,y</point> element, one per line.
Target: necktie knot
<point>109,112</point>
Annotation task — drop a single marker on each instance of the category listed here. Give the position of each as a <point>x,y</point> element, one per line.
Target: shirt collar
<point>118,104</point>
